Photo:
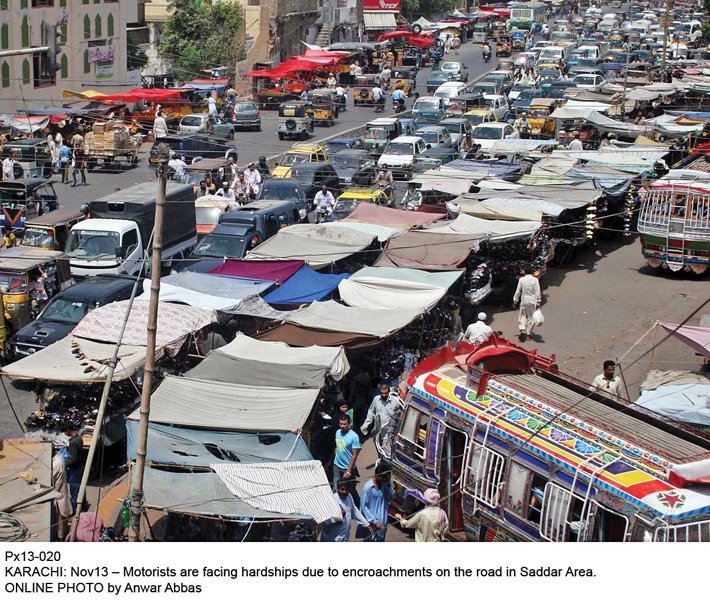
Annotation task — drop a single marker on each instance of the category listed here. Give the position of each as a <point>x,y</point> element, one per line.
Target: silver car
<point>457,69</point>
<point>199,123</point>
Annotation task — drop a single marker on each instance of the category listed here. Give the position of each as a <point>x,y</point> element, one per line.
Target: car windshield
<point>351,162</point>
<point>450,66</point>
<point>474,119</point>
<point>208,215</point>
<point>191,121</point>
<point>303,176</point>
<point>584,80</point>
<point>12,283</point>
<point>430,137</point>
<point>376,134</point>
<point>447,92</point>
<point>426,103</point>
<point>453,127</point>
<point>439,77</point>
<point>38,238</point>
<point>487,133</point>
<point>539,113</point>
<point>400,148</point>
<point>550,54</point>
<point>13,196</point>
<point>92,245</point>
<point>247,106</point>
<point>220,246</point>
<point>335,145</point>
<point>280,192</point>
<point>65,310</point>
<point>289,160</point>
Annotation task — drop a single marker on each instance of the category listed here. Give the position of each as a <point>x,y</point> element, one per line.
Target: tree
<point>137,58</point>
<point>201,35</point>
<point>416,8</point>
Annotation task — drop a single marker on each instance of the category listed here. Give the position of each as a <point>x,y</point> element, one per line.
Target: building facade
<point>93,38</point>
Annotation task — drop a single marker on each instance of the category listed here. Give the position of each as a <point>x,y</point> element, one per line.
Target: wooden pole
<point>139,471</point>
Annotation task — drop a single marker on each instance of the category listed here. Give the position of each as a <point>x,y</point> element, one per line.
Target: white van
<point>641,28</point>
<point>552,54</point>
<point>607,25</point>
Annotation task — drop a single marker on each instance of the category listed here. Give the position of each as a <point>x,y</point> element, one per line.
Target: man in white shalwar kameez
<point>529,296</point>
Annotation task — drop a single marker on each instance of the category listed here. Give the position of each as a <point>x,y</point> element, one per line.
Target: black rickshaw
<point>404,78</point>
<point>363,89</point>
<point>325,107</point>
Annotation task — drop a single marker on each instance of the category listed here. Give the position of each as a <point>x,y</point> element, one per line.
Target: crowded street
<point>445,279</point>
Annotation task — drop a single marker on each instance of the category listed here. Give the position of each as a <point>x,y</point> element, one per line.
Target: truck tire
<point>304,134</point>
<point>290,124</point>
<point>416,29</point>
<point>281,136</point>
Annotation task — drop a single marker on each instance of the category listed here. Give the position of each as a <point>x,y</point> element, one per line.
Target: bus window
<point>485,474</point>
<point>609,526</point>
<point>411,441</point>
<point>526,490</point>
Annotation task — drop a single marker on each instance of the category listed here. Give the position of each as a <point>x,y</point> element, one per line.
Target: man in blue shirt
<point>374,502</point>
<point>347,447</point>
<point>339,531</point>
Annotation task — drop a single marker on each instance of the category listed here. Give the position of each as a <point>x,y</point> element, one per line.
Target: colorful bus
<point>521,452</point>
<point>523,16</point>
<point>675,222</point>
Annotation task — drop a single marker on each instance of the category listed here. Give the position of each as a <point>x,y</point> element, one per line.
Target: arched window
<point>5,36</point>
<point>26,72</point>
<point>5,72</point>
<point>97,26</point>
<point>87,27</point>
<point>109,26</point>
<point>25,32</point>
<point>64,64</point>
<point>63,33</point>
<point>87,64</point>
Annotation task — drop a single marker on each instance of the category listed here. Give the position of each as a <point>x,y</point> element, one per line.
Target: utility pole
<point>139,469</point>
<point>669,7</point>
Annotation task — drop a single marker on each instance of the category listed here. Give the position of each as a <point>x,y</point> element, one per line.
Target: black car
<point>33,157</point>
<point>245,115</point>
<point>192,147</point>
<point>354,167</point>
<point>437,78</point>
<point>313,175</point>
<point>339,144</point>
<point>67,308</point>
<point>286,189</point>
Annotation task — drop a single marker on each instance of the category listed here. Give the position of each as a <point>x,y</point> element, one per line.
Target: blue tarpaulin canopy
<point>305,285</point>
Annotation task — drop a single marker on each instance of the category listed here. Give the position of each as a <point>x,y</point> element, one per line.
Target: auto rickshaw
<point>477,116</point>
<point>352,196</point>
<point>404,78</point>
<point>504,45</point>
<point>518,37</point>
<point>497,30</point>
<point>325,109</point>
<point>461,104</point>
<point>433,158</point>
<point>21,199</point>
<point>217,168</point>
<point>50,231</point>
<point>413,57</point>
<point>18,268</point>
<point>363,89</point>
<point>380,132</point>
<point>541,125</point>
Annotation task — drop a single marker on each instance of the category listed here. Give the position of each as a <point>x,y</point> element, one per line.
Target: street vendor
<point>528,296</point>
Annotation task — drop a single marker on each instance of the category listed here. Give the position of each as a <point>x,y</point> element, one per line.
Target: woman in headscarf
<point>430,523</point>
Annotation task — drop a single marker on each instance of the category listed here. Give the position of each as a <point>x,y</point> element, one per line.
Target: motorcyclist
<point>412,197</point>
<point>378,97</point>
<point>398,97</point>
<point>385,181</point>
<point>263,168</point>
<point>324,202</point>
<point>486,51</point>
<point>242,189</point>
<point>342,98</point>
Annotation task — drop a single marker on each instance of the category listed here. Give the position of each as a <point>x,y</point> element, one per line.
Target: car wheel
<point>304,135</point>
<point>281,136</point>
<point>231,135</point>
<point>257,128</point>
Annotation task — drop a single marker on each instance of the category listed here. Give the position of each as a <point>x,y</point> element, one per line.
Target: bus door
<point>452,468</point>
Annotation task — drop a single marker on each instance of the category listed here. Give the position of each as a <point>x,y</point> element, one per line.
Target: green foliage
<point>417,8</point>
<point>705,32</point>
<point>137,58</point>
<point>201,35</point>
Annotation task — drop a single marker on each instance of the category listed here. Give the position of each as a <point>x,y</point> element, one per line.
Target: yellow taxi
<point>299,154</point>
<point>477,116</point>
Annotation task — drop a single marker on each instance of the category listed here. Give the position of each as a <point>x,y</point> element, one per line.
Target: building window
<point>25,32</point>
<point>26,72</point>
<point>63,33</point>
<point>42,3</point>
<point>84,1</point>
<point>109,26</point>
<point>97,26</point>
<point>62,3</point>
<point>5,71</point>
<point>23,4</point>
<point>87,64</point>
<point>64,63</point>
<point>3,4</point>
<point>41,78</point>
<point>5,36</point>
<point>87,27</point>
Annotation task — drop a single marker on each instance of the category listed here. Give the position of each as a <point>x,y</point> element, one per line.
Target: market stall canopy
<point>496,231</point>
<point>332,316</point>
<point>492,168</point>
<point>175,323</point>
<point>297,336</point>
<point>287,488</point>
<point>381,232</point>
<point>256,306</point>
<point>390,217</point>
<point>317,245</point>
<point>78,360</point>
<point>698,338</point>
<point>448,182</point>
<point>146,94</point>
<point>378,293</point>
<point>471,206</point>
<point>294,65</point>
<point>275,270</point>
<point>305,285</point>
<point>206,85</point>
<point>429,250</point>
<point>441,279</point>
<point>24,125</point>
<point>686,403</point>
<point>205,291</point>
<point>214,405</point>
<point>199,448</point>
<point>618,160</point>
<point>379,20</point>
<point>85,95</point>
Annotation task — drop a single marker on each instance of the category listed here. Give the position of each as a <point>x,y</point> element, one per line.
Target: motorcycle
<point>322,213</point>
<point>380,105</point>
<point>487,57</point>
<point>389,193</point>
<point>399,105</point>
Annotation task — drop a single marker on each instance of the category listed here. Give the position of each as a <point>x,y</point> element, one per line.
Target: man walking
<point>160,126</point>
<point>347,448</point>
<point>75,463</point>
<point>65,157</point>
<point>8,167</point>
<point>374,502</point>
<point>380,415</point>
<point>606,381</point>
<point>339,531</point>
<point>529,297</point>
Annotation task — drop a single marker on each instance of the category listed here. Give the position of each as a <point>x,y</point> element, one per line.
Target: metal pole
<point>139,471</point>
<point>35,50</point>
<point>669,6</point>
<point>626,79</point>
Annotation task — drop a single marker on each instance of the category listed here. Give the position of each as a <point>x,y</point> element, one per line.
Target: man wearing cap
<point>225,191</point>
<point>529,297</point>
<point>478,332</point>
<point>576,143</point>
<point>253,178</point>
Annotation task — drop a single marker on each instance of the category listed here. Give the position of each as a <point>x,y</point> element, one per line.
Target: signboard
<point>102,53</point>
<point>104,69</point>
<point>383,5</point>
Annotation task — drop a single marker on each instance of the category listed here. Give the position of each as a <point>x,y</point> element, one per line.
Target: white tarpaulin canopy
<point>318,245</point>
<point>331,316</point>
<point>215,405</point>
<point>76,359</point>
<point>382,232</point>
<point>287,488</point>
<point>441,279</point>
<point>333,359</point>
<point>377,293</point>
<point>491,213</point>
<point>495,230</point>
<point>449,181</point>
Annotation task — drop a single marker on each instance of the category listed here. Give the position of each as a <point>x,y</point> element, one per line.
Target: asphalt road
<point>252,144</point>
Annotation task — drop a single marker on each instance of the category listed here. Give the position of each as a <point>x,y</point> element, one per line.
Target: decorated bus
<point>522,452</point>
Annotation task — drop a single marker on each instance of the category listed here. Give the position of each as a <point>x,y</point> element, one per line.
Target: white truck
<point>115,237</point>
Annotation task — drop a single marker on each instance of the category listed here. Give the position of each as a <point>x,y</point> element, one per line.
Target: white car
<point>198,123</point>
<point>458,69</point>
<point>488,134</point>
<point>497,104</point>
<point>400,152</point>
<point>589,81</point>
<point>449,90</point>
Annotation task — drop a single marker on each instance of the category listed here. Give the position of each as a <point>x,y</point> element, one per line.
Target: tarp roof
<point>390,217</point>
<point>428,250</point>
<point>622,161</point>
<point>28,124</point>
<point>446,182</point>
<point>539,204</point>
<point>215,405</point>
<point>498,230</point>
<point>256,306</point>
<point>149,95</point>
<point>378,293</point>
<point>175,323</point>
<point>209,292</point>
<point>698,338</point>
<point>382,232</point>
<point>199,448</point>
<point>305,285</point>
<point>332,316</point>
<point>491,213</point>
<point>279,270</point>
<point>76,359</point>
<point>296,336</point>
<point>686,403</point>
<point>442,278</point>
<point>290,488</point>
<point>318,245</point>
